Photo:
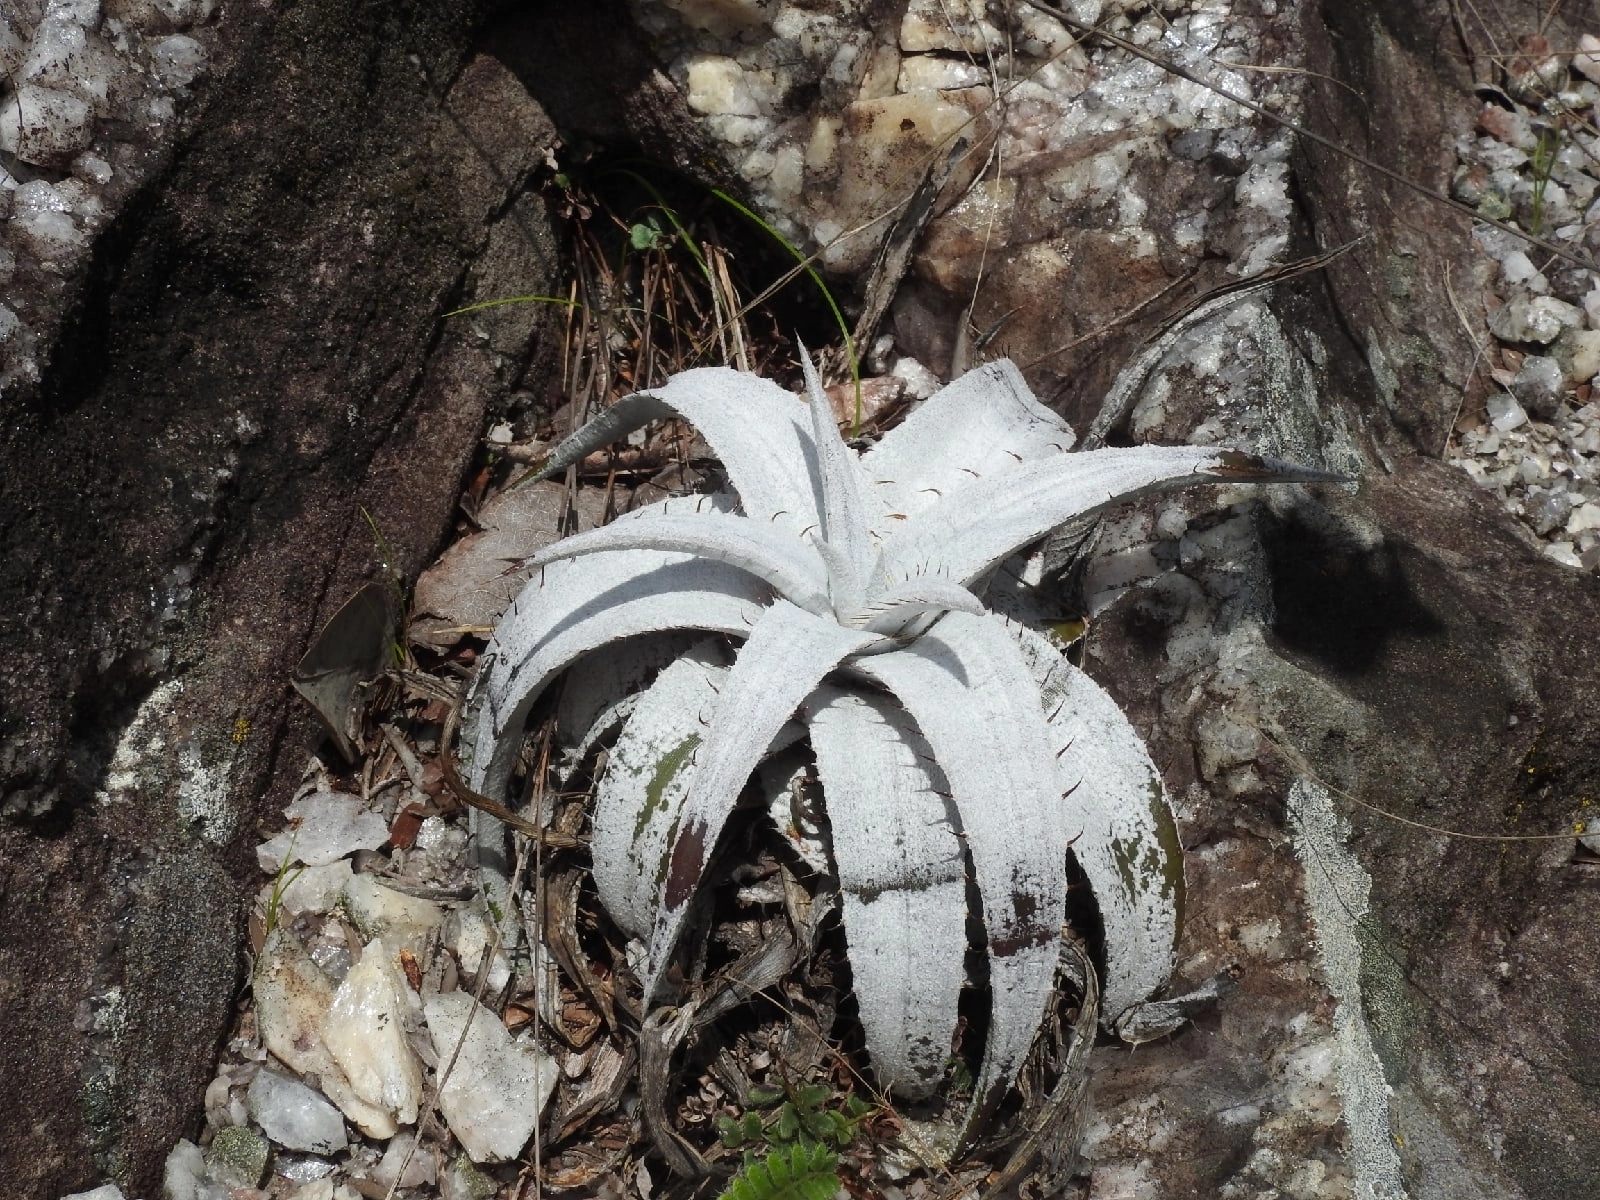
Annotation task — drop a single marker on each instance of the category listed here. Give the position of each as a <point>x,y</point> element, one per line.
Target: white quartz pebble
<point>365,1033</point>
<point>499,1085</point>
<point>43,126</point>
<point>323,828</point>
<point>293,1115</point>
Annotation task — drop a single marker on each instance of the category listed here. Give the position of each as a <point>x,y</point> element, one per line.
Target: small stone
<point>43,126</point>
<point>403,1166</point>
<point>722,18</point>
<point>302,1168</point>
<point>1563,553</point>
<point>178,60</point>
<point>295,1116</point>
<point>323,828</point>
<point>1510,127</point>
<point>364,1032</point>
<point>941,25</point>
<point>1535,319</point>
<point>1586,61</point>
<point>920,382</point>
<point>110,1191</point>
<point>1578,351</point>
<point>1536,71</point>
<point>1585,517</point>
<point>1493,204</point>
<point>293,999</point>
<point>1489,443</point>
<point>934,72</point>
<point>1516,268</point>
<point>1505,413</point>
<point>54,234</point>
<point>184,1174</point>
<point>67,58</point>
<point>81,12</point>
<point>468,933</point>
<point>463,1180</point>
<point>1547,510</point>
<point>238,1157</point>
<point>499,1086</point>
<point>717,85</point>
<point>313,889</point>
<point>1539,386</point>
<point>402,922</point>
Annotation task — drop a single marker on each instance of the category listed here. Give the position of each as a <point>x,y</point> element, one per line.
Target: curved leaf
<point>902,878</point>
<point>605,677</point>
<point>573,607</point>
<point>639,799</point>
<point>787,654</point>
<point>1124,835</point>
<point>970,692</point>
<point>772,553</point>
<point>888,612</point>
<point>983,425</point>
<point>755,427</point>
<point>968,533</point>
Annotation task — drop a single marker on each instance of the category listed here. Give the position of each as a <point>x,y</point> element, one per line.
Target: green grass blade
<point>833,305</point>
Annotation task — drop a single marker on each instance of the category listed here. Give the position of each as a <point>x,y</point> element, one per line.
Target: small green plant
<point>648,235</point>
<point>1544,161</point>
<point>803,1134</point>
<point>803,1171</point>
<point>802,1114</point>
<point>280,884</point>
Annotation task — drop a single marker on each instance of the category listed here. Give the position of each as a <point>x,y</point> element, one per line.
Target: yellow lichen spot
<point>241,731</point>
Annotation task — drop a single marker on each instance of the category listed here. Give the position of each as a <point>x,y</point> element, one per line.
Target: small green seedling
<point>803,1134</point>
<point>803,1171</point>
<point>648,235</point>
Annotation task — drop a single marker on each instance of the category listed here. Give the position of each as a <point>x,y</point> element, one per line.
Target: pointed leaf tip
<point>1253,468</point>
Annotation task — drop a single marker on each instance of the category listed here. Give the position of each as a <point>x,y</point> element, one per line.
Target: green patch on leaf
<point>667,768</point>
<point>1157,867</point>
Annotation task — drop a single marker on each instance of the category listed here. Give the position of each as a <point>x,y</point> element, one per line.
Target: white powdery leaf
<point>757,429</point>
<point>983,425</point>
<point>787,655</point>
<point>609,675</point>
<point>771,552</point>
<point>887,612</point>
<point>1125,838</point>
<point>794,805</point>
<point>573,607</point>
<point>639,800</point>
<point>971,694</point>
<point>969,533</point>
<point>902,879</point>
<point>846,525</point>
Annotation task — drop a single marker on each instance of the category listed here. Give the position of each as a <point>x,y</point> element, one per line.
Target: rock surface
<point>252,353</point>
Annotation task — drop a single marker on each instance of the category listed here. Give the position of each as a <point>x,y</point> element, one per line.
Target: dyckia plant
<point>943,733</point>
